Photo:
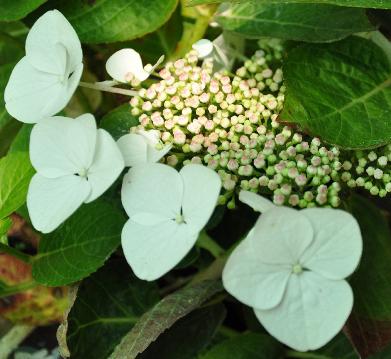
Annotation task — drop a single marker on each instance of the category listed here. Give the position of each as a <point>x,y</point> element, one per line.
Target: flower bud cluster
<point>229,122</point>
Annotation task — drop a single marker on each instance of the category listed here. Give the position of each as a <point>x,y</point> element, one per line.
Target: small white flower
<point>142,147</point>
<point>291,270</point>
<point>204,48</point>
<point>126,64</point>
<point>75,163</point>
<point>43,81</point>
<point>167,210</point>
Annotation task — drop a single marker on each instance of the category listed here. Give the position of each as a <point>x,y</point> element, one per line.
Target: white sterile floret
<point>43,81</point>
<point>142,147</point>
<point>75,163</point>
<point>167,210</point>
<point>126,65</point>
<point>291,270</point>
<point>204,48</point>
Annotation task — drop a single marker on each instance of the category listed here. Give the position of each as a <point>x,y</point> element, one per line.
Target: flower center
<point>297,269</point>
<point>82,173</point>
<point>179,219</point>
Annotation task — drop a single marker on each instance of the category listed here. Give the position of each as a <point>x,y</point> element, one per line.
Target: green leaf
<point>188,336</point>
<point>340,92</point>
<point>80,246</point>
<point>119,121</point>
<point>21,142</point>
<point>103,21</point>
<point>369,326</point>
<point>107,306</point>
<point>162,316</point>
<point>15,175</point>
<point>11,50</point>
<point>376,4</point>
<point>301,22</point>
<point>246,346</point>
<point>371,282</point>
<point>11,10</point>
<point>5,225</point>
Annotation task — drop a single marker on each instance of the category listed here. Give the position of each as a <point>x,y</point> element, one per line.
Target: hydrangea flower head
<point>42,82</point>
<point>291,269</point>
<point>75,164</point>
<point>167,210</point>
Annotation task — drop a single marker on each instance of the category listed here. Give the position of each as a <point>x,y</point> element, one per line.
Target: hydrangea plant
<point>209,175</point>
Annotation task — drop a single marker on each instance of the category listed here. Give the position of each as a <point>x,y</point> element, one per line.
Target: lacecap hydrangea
<point>230,122</point>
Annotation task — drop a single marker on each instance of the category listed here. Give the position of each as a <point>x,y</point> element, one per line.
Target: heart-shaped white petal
<point>152,188</point>
<point>255,201</point>
<point>312,311</point>
<point>51,201</point>
<point>125,64</point>
<point>253,282</point>
<point>337,246</point>
<point>154,250</point>
<point>107,165</point>
<point>51,30</point>
<point>62,146</point>
<point>281,235</point>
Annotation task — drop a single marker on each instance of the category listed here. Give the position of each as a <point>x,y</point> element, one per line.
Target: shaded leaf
<point>188,336</point>
<point>15,175</point>
<point>379,4</point>
<point>339,347</point>
<point>102,21</point>
<point>369,327</point>
<point>119,121</point>
<point>301,22</point>
<point>340,92</point>
<point>246,346</point>
<point>11,10</point>
<point>107,305</point>
<point>21,141</point>
<point>162,316</point>
<point>80,246</point>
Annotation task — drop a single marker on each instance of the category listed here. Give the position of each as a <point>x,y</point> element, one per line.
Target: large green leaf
<point>369,326</point>
<point>302,22</point>
<point>15,175</point>
<point>246,346</point>
<point>80,246</point>
<point>162,316</point>
<point>103,21</point>
<point>376,4</point>
<point>119,121</point>
<point>11,50</point>
<point>11,10</point>
<point>340,92</point>
<point>188,336</point>
<point>107,305</point>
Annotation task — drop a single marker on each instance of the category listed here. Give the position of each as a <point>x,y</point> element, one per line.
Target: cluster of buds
<point>229,122</point>
<point>369,169</point>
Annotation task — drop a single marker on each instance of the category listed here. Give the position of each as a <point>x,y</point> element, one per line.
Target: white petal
<point>255,201</point>
<point>281,235</point>
<point>133,148</point>
<point>252,282</point>
<point>63,146</point>
<point>152,251</point>
<point>107,165</point>
<point>152,188</point>
<point>201,191</point>
<point>313,310</point>
<point>32,95</point>
<point>51,201</point>
<point>337,246</point>
<point>204,48</point>
<point>124,63</point>
<point>50,30</point>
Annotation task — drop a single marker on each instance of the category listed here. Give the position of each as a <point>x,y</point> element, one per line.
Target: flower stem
<point>22,287</point>
<point>105,88</point>
<point>295,354</point>
<point>206,242</point>
<point>4,248</point>
<point>10,341</point>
